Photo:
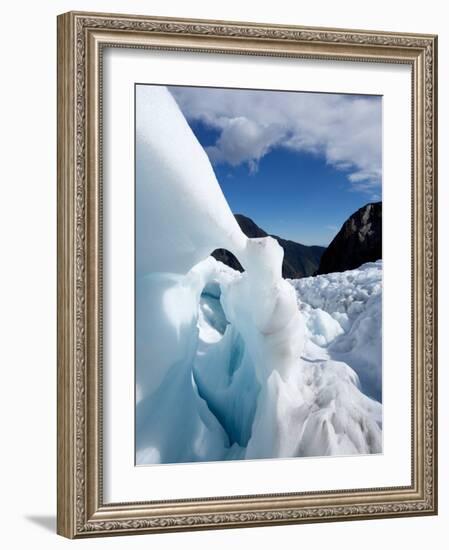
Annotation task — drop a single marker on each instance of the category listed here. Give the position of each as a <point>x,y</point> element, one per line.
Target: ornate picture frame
<point>82,40</point>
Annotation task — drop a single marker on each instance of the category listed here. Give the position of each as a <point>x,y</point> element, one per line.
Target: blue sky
<point>298,164</point>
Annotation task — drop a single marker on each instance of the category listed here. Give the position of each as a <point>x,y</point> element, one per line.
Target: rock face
<point>299,260</point>
<point>358,241</point>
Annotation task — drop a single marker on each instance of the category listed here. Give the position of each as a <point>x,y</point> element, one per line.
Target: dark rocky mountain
<point>299,260</point>
<point>358,241</point>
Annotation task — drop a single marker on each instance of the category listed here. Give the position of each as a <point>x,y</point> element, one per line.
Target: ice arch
<point>181,217</point>
<point>242,391</point>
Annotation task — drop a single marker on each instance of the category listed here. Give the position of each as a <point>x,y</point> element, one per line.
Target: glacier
<point>229,365</point>
<point>343,312</point>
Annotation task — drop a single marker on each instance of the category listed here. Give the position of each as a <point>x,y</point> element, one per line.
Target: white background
<point>28,271</point>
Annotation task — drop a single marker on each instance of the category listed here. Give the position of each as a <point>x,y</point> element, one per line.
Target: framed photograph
<point>246,274</point>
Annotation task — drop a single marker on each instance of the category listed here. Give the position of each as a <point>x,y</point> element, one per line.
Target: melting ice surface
<point>239,365</point>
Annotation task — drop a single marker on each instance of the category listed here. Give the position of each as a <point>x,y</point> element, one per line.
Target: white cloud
<point>345,130</point>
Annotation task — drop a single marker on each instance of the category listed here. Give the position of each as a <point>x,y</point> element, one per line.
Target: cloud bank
<point>345,130</point>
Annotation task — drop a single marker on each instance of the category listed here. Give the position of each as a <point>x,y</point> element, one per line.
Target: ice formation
<point>230,365</point>
<point>343,312</point>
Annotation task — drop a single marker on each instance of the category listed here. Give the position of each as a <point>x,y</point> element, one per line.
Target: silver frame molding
<point>81,39</point>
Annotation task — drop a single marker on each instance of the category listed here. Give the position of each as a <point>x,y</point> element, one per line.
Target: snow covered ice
<point>239,365</point>
<point>343,313</point>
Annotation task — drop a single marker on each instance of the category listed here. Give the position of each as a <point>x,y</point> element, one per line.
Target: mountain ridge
<point>358,241</point>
